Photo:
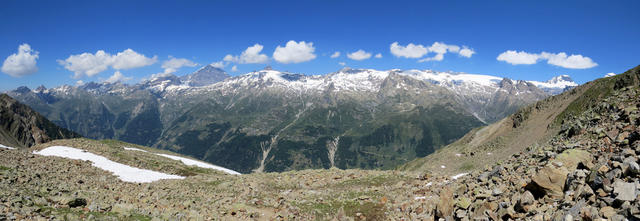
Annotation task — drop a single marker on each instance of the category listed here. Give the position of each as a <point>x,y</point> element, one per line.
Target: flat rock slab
<point>625,191</point>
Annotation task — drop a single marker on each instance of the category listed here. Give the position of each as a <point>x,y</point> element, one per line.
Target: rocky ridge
<point>23,127</point>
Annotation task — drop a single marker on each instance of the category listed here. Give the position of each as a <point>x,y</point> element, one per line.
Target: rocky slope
<point>277,121</point>
<point>587,169</point>
<point>23,127</point>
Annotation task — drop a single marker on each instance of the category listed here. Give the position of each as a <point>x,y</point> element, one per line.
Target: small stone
<point>618,217</point>
<point>550,181</point>
<point>444,208</point>
<point>538,217</point>
<point>631,168</point>
<point>77,202</point>
<point>496,191</point>
<point>607,211</point>
<point>628,152</point>
<point>463,202</point>
<point>624,191</point>
<point>603,169</point>
<point>568,217</point>
<point>557,164</point>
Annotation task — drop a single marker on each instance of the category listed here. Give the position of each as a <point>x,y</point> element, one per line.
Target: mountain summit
<point>204,76</point>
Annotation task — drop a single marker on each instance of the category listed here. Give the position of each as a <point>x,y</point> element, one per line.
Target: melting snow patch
<point>420,197</point>
<point>489,153</point>
<point>442,166</point>
<point>191,162</point>
<point>429,184</point>
<point>458,155</point>
<point>455,177</point>
<point>5,147</point>
<point>124,172</point>
<point>135,149</point>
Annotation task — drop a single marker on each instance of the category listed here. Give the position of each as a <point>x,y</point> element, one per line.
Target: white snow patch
<point>455,177</point>
<point>429,184</point>
<point>420,197</point>
<point>191,162</point>
<point>489,153</point>
<point>5,147</point>
<point>442,77</point>
<point>458,155</point>
<point>124,172</point>
<point>134,149</point>
<point>442,166</point>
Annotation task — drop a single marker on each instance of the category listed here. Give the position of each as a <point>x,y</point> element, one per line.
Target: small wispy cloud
<point>359,55</point>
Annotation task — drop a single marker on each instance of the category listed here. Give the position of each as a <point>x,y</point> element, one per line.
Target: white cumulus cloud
<point>234,68</point>
<point>173,64</point>
<point>466,52</point>
<point>409,51</point>
<point>610,74</point>
<point>335,54</point>
<point>442,48</point>
<point>87,63</point>
<point>378,55</point>
<point>129,59</point>
<point>359,55</point>
<point>518,57</point>
<point>294,52</point>
<point>117,77</point>
<point>439,49</point>
<point>342,63</point>
<point>91,64</point>
<point>250,56</point>
<point>21,63</point>
<point>574,61</point>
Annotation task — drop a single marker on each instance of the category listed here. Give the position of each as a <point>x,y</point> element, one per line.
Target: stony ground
<point>589,171</point>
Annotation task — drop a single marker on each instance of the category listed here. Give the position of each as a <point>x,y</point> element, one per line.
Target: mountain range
<point>270,120</point>
<point>566,157</point>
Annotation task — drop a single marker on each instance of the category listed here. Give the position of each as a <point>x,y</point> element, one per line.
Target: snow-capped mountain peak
<point>556,85</point>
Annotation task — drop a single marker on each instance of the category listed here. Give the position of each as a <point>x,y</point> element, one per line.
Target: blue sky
<point>603,36</point>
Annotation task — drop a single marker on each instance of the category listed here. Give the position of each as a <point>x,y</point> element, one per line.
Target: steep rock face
<point>275,121</point>
<point>23,127</point>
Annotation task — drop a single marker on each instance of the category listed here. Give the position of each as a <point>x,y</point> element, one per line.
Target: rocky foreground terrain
<point>588,170</point>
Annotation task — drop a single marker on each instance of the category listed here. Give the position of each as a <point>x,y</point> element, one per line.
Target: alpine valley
<point>270,120</point>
